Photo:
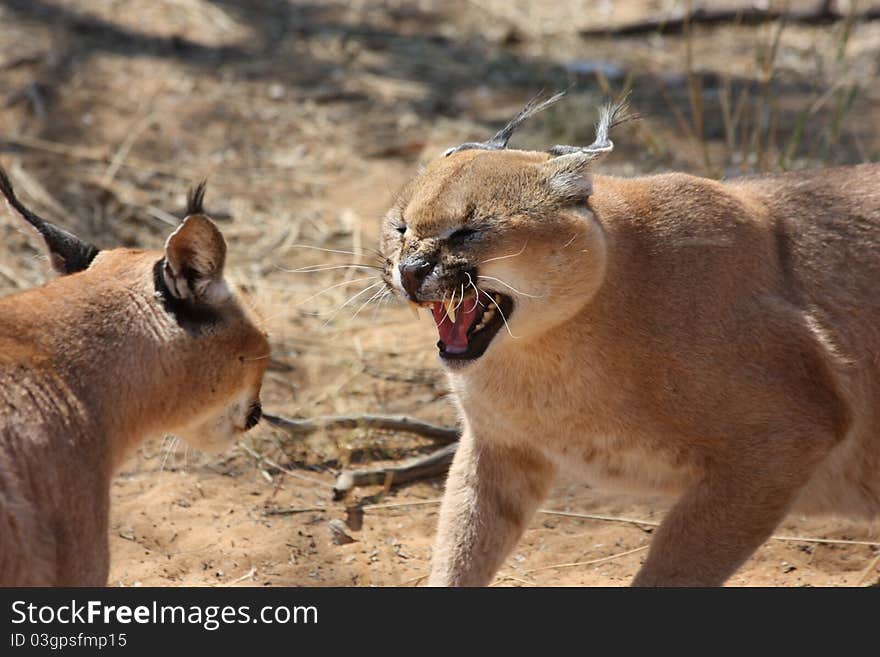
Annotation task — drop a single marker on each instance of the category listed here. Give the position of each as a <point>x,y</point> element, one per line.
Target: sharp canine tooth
<point>414,308</point>
<point>450,311</point>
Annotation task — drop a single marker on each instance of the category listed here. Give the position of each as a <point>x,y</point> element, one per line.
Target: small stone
<point>338,536</point>
<point>276,91</point>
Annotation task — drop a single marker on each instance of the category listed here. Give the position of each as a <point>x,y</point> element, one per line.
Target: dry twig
<point>591,562</point>
<point>869,570</point>
<point>678,22</point>
<point>248,575</point>
<point>300,428</point>
<point>431,465</point>
<point>654,523</point>
<point>280,468</point>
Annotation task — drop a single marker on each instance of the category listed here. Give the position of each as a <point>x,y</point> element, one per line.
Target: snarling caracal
<point>719,342</point>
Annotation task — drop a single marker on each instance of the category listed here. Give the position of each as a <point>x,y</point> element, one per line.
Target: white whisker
<point>512,255</point>
<point>508,285</point>
<point>316,268</point>
<point>264,321</point>
<point>568,243</point>
<point>318,248</point>
<point>461,301</point>
<point>263,357</point>
<point>165,440</point>
<point>350,299</point>
<point>492,299</point>
<point>366,303</point>
<point>476,296</point>
<point>332,287</point>
<point>171,445</point>
<point>385,294</point>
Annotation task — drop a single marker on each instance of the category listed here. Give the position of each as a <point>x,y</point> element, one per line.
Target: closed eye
<point>463,233</point>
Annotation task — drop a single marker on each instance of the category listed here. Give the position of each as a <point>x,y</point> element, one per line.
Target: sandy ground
<point>306,118</point>
<point>204,527</point>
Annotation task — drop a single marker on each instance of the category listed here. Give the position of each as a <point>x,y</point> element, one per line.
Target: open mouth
<point>467,327</point>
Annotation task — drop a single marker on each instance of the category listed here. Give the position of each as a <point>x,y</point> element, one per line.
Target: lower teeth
<point>487,316</point>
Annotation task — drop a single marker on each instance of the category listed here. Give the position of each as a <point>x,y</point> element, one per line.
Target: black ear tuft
<point>499,141</point>
<point>67,252</point>
<point>196,198</point>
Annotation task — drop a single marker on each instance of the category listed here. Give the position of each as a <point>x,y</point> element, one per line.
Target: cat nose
<point>413,273</point>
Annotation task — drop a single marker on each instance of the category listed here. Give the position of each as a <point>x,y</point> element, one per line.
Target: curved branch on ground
<point>301,427</point>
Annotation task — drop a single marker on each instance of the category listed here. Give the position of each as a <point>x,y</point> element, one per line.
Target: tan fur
<point>718,342</point>
<point>91,364</point>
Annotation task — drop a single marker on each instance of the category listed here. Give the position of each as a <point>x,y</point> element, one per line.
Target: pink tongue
<point>454,335</point>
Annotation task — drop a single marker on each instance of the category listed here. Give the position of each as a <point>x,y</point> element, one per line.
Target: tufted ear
<point>568,176</point>
<point>67,253</point>
<point>567,172</point>
<point>195,254</point>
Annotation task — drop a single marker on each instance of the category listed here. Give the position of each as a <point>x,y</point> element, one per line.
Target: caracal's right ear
<point>67,253</point>
<point>568,170</point>
<point>195,254</point>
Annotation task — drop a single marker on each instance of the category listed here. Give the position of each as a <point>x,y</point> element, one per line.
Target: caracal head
<point>211,352</point>
<point>501,245</point>
<point>229,348</point>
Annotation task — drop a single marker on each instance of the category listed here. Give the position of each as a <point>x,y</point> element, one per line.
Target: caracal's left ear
<point>195,255</point>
